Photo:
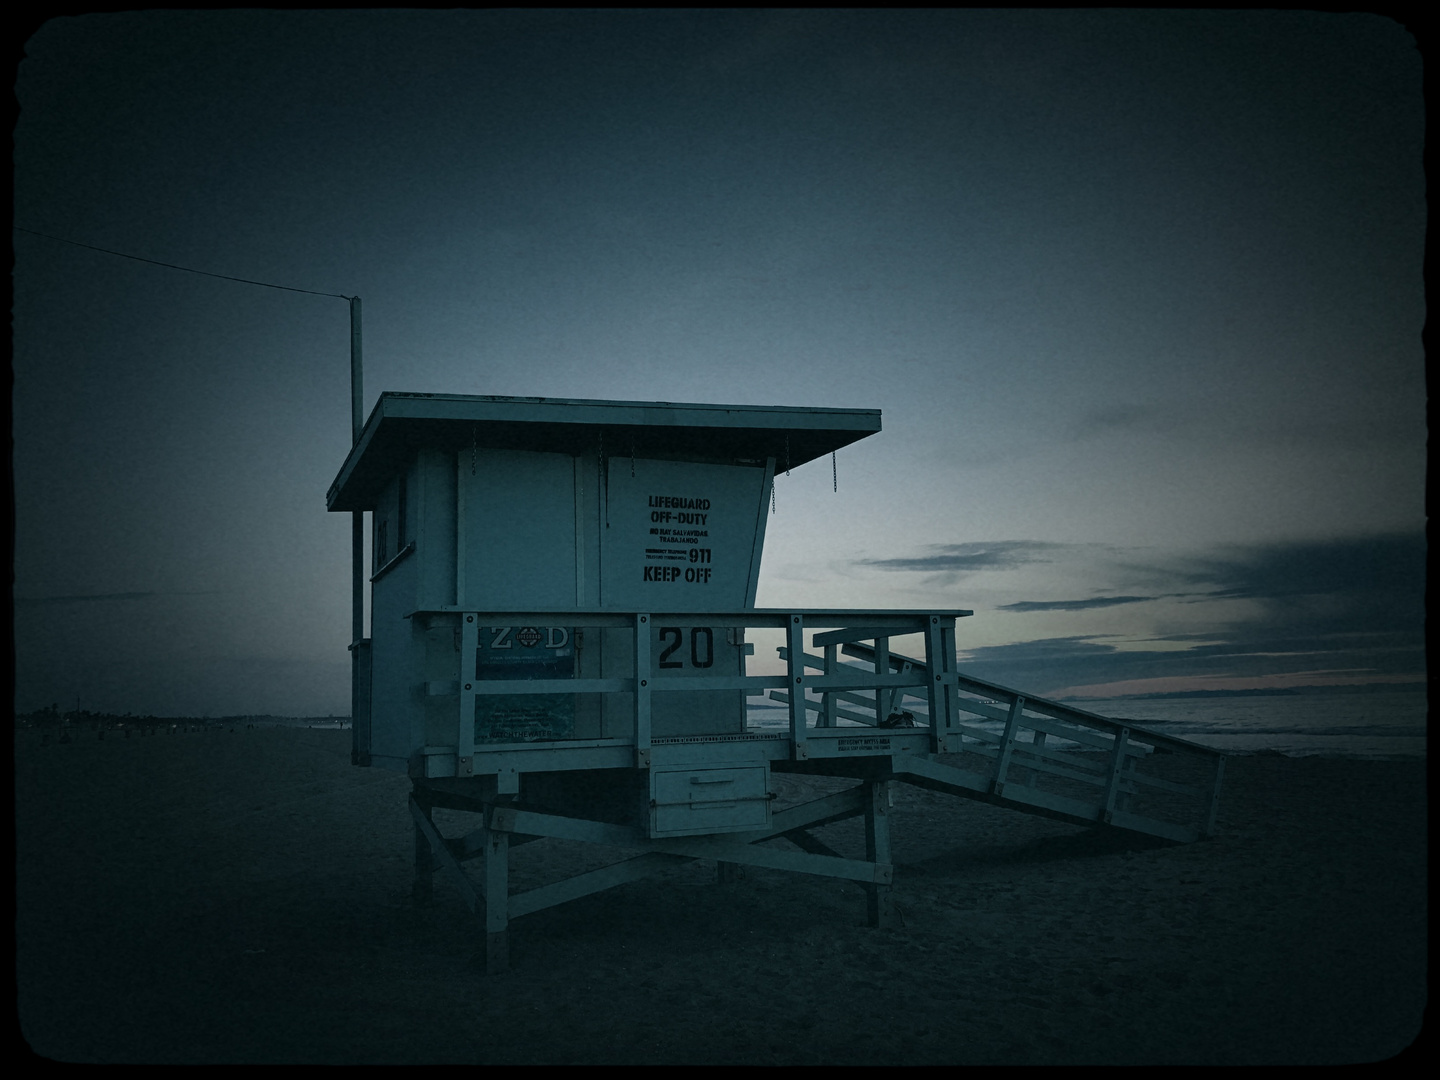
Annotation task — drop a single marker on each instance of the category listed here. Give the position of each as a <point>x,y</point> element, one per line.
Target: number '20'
<point>701,656</point>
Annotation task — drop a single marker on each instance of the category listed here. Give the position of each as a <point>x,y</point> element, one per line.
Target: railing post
<point>1117,763</point>
<point>1012,729</point>
<point>642,691</point>
<point>465,741</point>
<point>879,905</point>
<point>827,699</point>
<point>795,646</point>
<point>940,662</point>
<point>1213,808</point>
<point>883,698</point>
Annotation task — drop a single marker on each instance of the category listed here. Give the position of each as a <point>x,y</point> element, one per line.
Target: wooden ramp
<point>1038,756</point>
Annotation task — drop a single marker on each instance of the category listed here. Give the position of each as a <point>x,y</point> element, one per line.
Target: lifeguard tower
<point>561,593</point>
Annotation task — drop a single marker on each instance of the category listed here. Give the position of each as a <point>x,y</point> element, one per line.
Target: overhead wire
<point>187,269</point>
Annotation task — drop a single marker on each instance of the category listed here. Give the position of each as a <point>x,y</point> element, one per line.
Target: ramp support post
<point>879,902</point>
<point>422,890</point>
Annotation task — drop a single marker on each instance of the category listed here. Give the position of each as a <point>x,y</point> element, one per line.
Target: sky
<point>1139,295</point>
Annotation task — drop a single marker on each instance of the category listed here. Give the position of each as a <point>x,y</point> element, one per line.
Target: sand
<point>244,896</point>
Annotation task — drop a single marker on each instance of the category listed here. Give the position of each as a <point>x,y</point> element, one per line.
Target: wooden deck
<point>894,719</point>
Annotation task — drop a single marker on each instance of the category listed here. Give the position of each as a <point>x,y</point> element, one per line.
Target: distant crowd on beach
<point>55,726</point>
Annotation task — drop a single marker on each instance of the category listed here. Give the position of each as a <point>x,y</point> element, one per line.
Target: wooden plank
<point>869,633</point>
<point>811,815</point>
<point>867,719</point>
<point>705,847</point>
<point>890,621</point>
<point>512,819</point>
<point>805,842</point>
<point>517,687</point>
<point>607,877</point>
<point>437,846</point>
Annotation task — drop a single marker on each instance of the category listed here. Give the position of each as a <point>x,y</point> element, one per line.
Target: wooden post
<point>359,728</point>
<point>879,905</point>
<point>1012,729</point>
<point>795,642</point>
<point>423,888</point>
<point>827,699</point>
<point>642,691</point>
<point>497,901</point>
<point>1117,762</point>
<point>1214,807</point>
<point>940,693</point>
<point>465,733</point>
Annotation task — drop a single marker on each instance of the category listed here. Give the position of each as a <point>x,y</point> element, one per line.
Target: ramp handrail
<point>1124,744</point>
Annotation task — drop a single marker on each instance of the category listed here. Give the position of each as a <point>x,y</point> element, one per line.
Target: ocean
<point>1381,724</point>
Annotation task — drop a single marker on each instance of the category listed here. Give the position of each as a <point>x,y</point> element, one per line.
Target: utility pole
<point>359,667</point>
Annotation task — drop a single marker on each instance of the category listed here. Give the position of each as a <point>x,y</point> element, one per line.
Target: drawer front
<point>689,802</point>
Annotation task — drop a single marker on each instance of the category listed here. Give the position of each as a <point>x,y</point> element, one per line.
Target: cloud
<point>1077,605</point>
<point>1333,610</point>
<point>969,558</point>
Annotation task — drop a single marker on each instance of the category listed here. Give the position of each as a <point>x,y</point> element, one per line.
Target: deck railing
<point>999,743</point>
<point>827,629</point>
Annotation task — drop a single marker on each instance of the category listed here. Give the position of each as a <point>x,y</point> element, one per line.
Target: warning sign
<point>680,535</point>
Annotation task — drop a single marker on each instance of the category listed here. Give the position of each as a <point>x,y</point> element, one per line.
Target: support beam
<point>802,839</point>
<point>497,902</point>
<point>879,903</point>
<point>448,861</point>
<point>423,887</point>
<point>607,877</point>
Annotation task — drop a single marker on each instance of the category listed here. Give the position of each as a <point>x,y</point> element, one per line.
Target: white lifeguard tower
<point>561,592</point>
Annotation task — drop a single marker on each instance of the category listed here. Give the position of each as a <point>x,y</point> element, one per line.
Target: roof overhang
<point>723,434</point>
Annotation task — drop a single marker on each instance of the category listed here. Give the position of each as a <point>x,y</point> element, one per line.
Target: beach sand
<point>244,896</point>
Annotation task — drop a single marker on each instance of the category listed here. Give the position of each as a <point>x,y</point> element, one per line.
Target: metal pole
<point>359,728</point>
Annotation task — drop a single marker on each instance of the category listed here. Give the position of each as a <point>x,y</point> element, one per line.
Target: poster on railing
<point>524,652</point>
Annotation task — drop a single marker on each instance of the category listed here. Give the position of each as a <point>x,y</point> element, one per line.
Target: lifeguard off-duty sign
<point>682,534</point>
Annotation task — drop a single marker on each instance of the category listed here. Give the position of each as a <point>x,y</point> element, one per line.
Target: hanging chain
<point>834,473</point>
<point>632,457</point>
<point>473,428</point>
<point>787,455</point>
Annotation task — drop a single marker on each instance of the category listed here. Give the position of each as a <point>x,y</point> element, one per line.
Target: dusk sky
<point>1139,295</point>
